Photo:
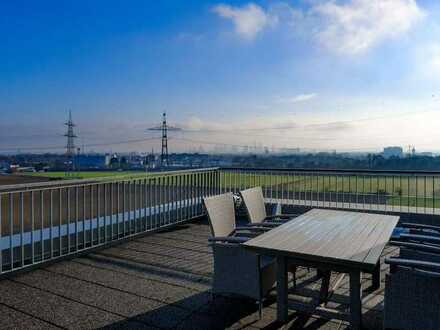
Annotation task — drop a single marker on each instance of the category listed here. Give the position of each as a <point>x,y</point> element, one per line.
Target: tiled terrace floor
<point>156,281</point>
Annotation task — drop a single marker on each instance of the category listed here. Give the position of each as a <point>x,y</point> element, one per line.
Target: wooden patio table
<point>341,241</point>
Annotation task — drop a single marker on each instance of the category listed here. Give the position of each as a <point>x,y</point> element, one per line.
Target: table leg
<point>323,293</point>
<point>376,277</point>
<point>282,286</point>
<point>355,300</point>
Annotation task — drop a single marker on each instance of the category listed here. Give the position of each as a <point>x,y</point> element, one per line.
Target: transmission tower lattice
<point>70,146</point>
<point>164,154</point>
<point>164,128</point>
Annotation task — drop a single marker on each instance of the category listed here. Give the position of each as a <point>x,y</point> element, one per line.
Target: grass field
<point>399,190</point>
<point>91,174</point>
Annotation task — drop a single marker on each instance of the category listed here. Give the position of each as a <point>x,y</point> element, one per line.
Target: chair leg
<point>292,269</point>
<point>260,309</point>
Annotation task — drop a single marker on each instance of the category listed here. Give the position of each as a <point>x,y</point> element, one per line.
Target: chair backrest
<point>254,202</point>
<point>221,214</point>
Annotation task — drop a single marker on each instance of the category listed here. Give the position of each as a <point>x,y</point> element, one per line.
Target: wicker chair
<point>413,231</point>
<point>256,209</point>
<point>420,242</point>
<point>253,200</point>
<point>418,251</point>
<point>236,270</point>
<point>412,294</point>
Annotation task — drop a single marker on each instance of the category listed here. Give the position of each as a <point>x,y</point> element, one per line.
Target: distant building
<point>108,158</point>
<point>392,152</point>
<point>90,161</point>
<point>114,162</point>
<point>14,168</point>
<point>4,165</point>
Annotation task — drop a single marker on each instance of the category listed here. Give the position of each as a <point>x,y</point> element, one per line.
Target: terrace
<point>133,253</point>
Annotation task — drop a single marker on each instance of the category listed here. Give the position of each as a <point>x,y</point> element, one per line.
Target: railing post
<point>218,181</point>
<point>1,231</point>
<point>11,229</point>
<point>67,224</point>
<point>76,216</point>
<point>51,222</point>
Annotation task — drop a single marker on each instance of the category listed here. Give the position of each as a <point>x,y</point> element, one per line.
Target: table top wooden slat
<point>351,239</point>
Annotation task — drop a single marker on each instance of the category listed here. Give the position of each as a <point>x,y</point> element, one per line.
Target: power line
<point>86,145</point>
<point>295,126</point>
<point>220,143</point>
<point>230,131</point>
<point>371,118</point>
<point>279,137</point>
<point>242,130</point>
<point>277,148</point>
<point>203,142</point>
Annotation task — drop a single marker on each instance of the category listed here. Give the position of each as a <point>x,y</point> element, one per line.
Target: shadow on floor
<point>199,311</point>
<point>148,269</point>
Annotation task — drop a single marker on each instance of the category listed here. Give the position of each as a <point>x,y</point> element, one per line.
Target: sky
<point>353,75</point>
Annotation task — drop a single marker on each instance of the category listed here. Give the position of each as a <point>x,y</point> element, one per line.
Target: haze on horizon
<point>316,74</point>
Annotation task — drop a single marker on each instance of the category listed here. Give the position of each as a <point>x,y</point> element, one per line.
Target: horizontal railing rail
<point>40,224</point>
<point>72,182</point>
<point>331,170</point>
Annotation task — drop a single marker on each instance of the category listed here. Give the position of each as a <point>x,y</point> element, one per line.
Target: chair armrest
<point>417,226</point>
<point>275,220</point>
<point>418,231</point>
<point>423,266</point>
<point>420,238</point>
<point>282,216</point>
<point>252,228</point>
<point>272,224</point>
<point>427,273</point>
<point>416,246</point>
<point>228,239</point>
<point>263,224</point>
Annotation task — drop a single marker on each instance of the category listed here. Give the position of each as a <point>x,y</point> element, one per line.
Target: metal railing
<point>43,223</point>
<point>387,191</point>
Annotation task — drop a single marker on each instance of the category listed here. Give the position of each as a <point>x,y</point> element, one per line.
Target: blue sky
<point>316,74</point>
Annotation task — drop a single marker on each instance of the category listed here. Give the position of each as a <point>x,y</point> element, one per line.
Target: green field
<point>196,179</point>
<point>421,191</point>
<point>91,174</point>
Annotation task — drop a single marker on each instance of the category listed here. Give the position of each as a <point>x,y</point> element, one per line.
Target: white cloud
<point>248,20</point>
<point>345,27</point>
<point>429,58</point>
<point>296,98</point>
<point>354,27</point>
